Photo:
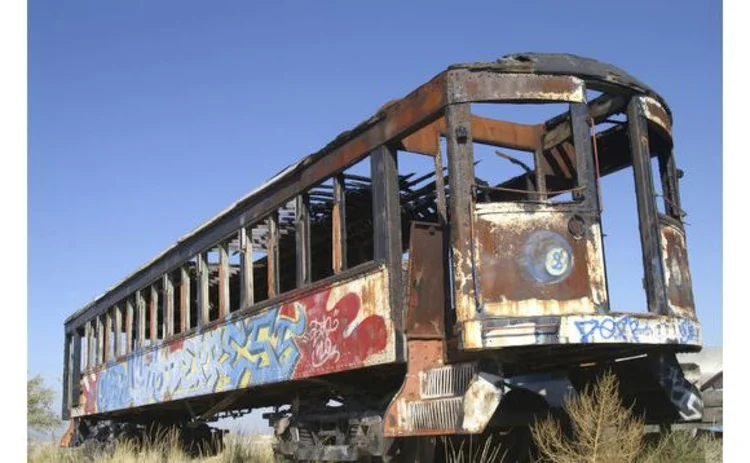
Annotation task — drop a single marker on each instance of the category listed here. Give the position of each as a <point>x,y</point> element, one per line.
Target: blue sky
<point>147,118</point>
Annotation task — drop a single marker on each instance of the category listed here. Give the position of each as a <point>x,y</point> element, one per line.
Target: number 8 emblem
<point>556,261</point>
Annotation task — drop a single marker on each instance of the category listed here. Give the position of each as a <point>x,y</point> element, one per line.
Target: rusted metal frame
<point>76,367</point>
<point>224,302</point>
<point>140,304</point>
<point>302,227</point>
<point>408,115</point>
<point>585,167</point>
<point>184,299</point>
<point>387,226</point>
<point>153,316</point>
<point>128,326</point>
<point>202,287</point>
<point>425,279</point>
<point>339,224</point>
<point>117,309</point>
<point>648,220</point>
<point>559,129</point>
<point>487,131</point>
<point>247,295</point>
<point>460,180</point>
<point>272,247</point>
<point>470,86</point>
<point>167,306</point>
<point>108,336</point>
<point>670,184</point>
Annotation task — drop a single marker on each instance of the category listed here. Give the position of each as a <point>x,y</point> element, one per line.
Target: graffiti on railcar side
<point>633,329</point>
<point>627,329</point>
<point>349,332</point>
<point>324,332</point>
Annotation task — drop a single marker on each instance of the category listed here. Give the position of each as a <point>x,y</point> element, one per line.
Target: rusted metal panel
<point>529,262</point>
<point>647,212</point>
<point>425,310</point>
<point>655,112</point>
<point>677,277</point>
<point>423,355</point>
<point>224,302</point>
<point>336,327</point>
<point>339,224</point>
<point>474,86</point>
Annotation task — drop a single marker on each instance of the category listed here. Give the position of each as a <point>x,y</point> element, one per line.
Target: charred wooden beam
<point>339,224</point>
<point>153,322</point>
<point>117,310</point>
<point>648,219</point>
<point>108,336</point>
<point>128,326</point>
<point>247,295</point>
<point>224,302</point>
<point>302,225</point>
<point>167,306</point>
<point>140,305</point>
<point>387,224</point>
<point>461,166</point>
<point>184,299</point>
<point>273,254</point>
<point>204,273</point>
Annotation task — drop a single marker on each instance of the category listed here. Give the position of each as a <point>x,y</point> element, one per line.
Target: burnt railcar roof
<point>598,76</point>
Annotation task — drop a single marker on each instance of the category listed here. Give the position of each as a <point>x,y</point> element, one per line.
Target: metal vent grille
<point>448,381</point>
<point>436,414</point>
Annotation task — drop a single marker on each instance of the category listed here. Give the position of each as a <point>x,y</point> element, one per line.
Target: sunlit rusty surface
<point>513,267</point>
<point>679,284</point>
<point>474,86</point>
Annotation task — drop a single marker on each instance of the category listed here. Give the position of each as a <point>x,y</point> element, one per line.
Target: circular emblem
<point>547,257</point>
<point>556,261</point>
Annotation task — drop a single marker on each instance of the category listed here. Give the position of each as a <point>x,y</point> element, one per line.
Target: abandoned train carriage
<point>412,300</point>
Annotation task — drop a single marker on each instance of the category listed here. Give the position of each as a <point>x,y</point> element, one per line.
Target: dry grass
<point>165,448</point>
<point>601,431</point>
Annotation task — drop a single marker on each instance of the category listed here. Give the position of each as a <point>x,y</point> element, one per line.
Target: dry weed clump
<point>602,430</point>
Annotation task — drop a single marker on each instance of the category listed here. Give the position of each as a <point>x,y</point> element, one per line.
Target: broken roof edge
<point>589,70</point>
<point>526,63</point>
